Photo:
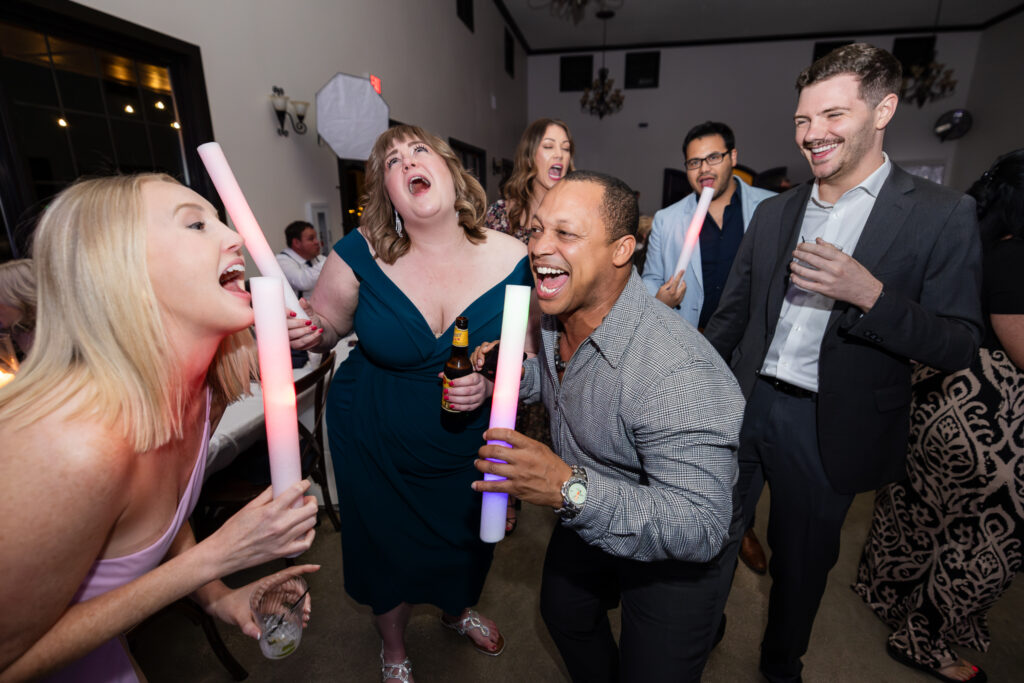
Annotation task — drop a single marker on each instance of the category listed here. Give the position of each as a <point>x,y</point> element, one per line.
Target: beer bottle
<point>458,364</point>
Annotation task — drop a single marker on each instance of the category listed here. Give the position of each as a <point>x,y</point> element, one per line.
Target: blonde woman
<point>410,521</point>
<point>142,340</point>
<point>18,303</point>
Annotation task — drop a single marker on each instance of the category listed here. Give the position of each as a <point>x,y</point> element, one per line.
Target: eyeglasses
<point>713,159</point>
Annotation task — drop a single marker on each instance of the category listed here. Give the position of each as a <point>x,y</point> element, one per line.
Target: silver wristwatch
<point>574,493</point>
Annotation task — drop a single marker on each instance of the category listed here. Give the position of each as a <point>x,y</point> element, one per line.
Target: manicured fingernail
<point>291,314</point>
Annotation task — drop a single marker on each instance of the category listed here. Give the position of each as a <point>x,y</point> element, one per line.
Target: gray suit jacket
<point>921,240</point>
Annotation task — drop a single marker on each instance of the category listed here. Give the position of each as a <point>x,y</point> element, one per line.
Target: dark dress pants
<point>779,445</point>
<point>670,610</point>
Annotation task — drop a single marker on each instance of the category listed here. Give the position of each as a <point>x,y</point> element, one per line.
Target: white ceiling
<point>665,22</point>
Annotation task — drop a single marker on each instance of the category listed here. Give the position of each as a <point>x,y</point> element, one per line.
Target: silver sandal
<point>472,621</point>
<point>400,672</point>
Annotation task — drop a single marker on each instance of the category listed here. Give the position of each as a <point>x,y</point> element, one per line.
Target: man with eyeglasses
<point>709,154</point>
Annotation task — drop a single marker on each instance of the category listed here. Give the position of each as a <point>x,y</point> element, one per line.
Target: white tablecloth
<point>242,424</point>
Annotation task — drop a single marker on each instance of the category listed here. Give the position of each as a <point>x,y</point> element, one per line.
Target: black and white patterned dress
<point>946,542</point>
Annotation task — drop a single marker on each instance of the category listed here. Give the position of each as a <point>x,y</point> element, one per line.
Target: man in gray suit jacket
<point>709,155</point>
<point>837,285</point>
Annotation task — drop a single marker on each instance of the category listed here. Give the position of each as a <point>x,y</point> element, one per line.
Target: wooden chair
<point>198,617</point>
<point>229,490</point>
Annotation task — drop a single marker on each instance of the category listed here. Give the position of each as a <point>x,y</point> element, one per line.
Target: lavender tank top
<point>109,663</point>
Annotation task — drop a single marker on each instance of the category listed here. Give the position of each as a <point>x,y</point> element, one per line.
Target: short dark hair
<point>879,72</point>
<point>702,130</point>
<point>294,231</point>
<point>999,193</point>
<point>619,207</point>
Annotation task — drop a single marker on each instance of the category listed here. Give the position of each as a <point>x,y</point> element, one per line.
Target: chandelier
<point>571,9</point>
<point>563,9</point>
<point>929,81</point>
<point>602,98</point>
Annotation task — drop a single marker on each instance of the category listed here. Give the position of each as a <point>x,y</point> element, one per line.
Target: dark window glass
<point>28,83</point>
<point>44,143</point>
<point>90,140</point>
<point>76,68</point>
<point>473,159</point>
<point>642,69</point>
<point>166,150</point>
<point>159,107</point>
<point>132,146</point>
<point>122,100</point>
<point>575,72</point>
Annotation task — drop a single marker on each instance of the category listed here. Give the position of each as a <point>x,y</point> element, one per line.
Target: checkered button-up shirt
<point>653,414</point>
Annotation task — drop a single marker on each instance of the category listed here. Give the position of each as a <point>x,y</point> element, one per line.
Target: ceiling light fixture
<point>928,81</point>
<point>602,98</point>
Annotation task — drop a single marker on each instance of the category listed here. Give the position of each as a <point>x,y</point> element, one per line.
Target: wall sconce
<point>280,102</point>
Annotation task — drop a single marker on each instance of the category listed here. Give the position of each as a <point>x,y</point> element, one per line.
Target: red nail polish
<point>291,314</point>
<point>309,322</point>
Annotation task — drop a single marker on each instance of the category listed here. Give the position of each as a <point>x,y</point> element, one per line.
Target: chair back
<point>320,378</point>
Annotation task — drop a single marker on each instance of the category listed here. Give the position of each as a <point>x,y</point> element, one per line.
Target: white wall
<point>435,73</point>
<point>750,87</point>
<point>996,101</point>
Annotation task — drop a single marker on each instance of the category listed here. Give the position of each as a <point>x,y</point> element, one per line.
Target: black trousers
<point>670,610</point>
<point>779,445</point>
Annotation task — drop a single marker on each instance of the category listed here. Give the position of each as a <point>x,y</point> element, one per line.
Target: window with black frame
<point>84,93</point>
<point>75,110</point>
<point>473,159</point>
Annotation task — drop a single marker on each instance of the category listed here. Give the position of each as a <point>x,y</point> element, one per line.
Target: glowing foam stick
<point>693,232</point>
<point>278,383</point>
<point>505,399</point>
<point>245,222</point>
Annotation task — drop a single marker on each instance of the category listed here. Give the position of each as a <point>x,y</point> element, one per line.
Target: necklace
<point>559,363</point>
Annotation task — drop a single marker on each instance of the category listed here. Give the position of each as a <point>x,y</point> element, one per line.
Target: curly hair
<point>879,72</point>
<point>519,188</point>
<point>378,222</point>
<point>999,193</point>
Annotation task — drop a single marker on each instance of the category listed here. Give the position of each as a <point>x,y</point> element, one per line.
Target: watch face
<point>578,493</point>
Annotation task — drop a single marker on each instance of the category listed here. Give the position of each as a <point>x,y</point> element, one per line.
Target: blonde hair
<point>378,222</point>
<point>18,290</point>
<point>100,333</point>
<point>519,188</point>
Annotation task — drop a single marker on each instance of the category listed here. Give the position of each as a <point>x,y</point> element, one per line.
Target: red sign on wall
<point>375,82</point>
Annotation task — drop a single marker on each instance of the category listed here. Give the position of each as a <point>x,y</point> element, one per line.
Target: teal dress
<point>410,523</point>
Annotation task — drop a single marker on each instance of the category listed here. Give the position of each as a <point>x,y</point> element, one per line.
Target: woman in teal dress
<point>410,521</point>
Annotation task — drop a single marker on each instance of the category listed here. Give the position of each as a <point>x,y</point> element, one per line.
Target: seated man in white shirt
<point>301,260</point>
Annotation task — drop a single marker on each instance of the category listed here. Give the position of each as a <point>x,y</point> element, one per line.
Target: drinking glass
<point>276,605</point>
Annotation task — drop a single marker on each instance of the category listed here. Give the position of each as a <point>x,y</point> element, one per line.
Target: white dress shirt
<point>300,273</point>
<point>796,345</point>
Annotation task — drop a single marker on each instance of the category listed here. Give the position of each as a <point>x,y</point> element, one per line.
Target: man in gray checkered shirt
<point>645,417</point>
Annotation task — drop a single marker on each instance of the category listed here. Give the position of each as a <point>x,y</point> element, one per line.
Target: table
<point>243,424</point>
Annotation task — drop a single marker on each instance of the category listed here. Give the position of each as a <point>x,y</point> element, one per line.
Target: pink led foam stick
<point>693,231</point>
<point>245,222</point>
<point>505,400</point>
<point>277,381</point>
